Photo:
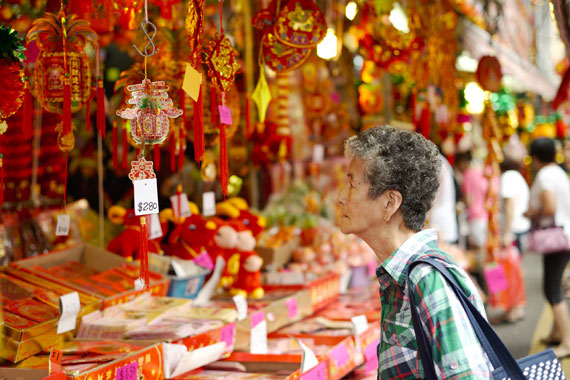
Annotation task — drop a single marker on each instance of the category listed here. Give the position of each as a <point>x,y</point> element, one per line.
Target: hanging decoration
<point>301,24</point>
<point>62,61</point>
<point>261,95</point>
<point>12,84</point>
<point>489,73</point>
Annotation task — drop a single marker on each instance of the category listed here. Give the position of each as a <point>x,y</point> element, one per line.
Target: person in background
<point>390,186</point>
<point>443,215</point>
<point>550,200</point>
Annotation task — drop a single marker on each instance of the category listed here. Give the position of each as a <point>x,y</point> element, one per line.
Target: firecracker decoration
<point>149,116</point>
<point>62,68</point>
<point>11,74</point>
<point>300,24</point>
<point>489,73</point>
<point>12,84</point>
<point>194,29</point>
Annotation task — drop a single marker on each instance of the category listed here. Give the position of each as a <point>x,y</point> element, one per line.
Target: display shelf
<point>323,290</point>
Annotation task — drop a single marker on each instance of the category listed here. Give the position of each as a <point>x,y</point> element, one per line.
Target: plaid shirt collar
<point>396,265</point>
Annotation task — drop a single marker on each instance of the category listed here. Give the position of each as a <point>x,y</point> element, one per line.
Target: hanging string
<point>65,183</point>
<point>221,6</point>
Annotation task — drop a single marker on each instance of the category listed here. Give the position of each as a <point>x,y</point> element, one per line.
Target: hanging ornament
<point>489,73</point>
<point>65,141</point>
<point>300,24</point>
<point>11,74</point>
<point>62,60</point>
<point>261,95</point>
<point>149,116</point>
<point>221,58</point>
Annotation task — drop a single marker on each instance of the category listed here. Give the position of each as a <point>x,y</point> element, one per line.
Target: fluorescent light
<point>351,10</point>
<point>475,97</point>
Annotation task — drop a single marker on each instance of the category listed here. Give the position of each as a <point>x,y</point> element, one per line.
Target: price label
<point>153,227</point>
<point>228,335</point>
<point>128,372</point>
<point>359,324</point>
<point>340,355</point>
<point>192,81</point>
<point>209,203</point>
<point>309,360</point>
<point>62,227</point>
<point>317,373</point>
<point>69,306</point>
<point>146,196</point>
<point>55,356</point>
<point>241,306</point>
<point>371,355</point>
<point>292,307</point>
<point>204,260</point>
<point>258,337</point>
<point>225,115</point>
<point>180,202</point>
<point>318,153</point>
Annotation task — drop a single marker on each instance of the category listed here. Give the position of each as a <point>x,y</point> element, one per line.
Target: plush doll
<point>224,245</point>
<point>127,244</point>
<point>191,235</point>
<point>236,208</point>
<point>248,279</point>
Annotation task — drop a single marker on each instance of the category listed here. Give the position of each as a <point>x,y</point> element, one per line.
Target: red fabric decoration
<point>115,146</point>
<point>157,156</point>
<point>66,116</point>
<point>100,108</point>
<point>223,160</point>
<point>125,147</point>
<point>199,128</point>
<point>144,252</point>
<point>1,180</point>
<point>424,122</point>
<point>88,114</point>
<point>172,149</point>
<point>213,105</point>
<point>28,112</point>
<point>12,87</point>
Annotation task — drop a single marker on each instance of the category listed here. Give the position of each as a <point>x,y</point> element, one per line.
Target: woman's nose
<point>341,198</point>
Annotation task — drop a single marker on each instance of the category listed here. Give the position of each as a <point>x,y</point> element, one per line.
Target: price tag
<point>225,115</point>
<point>241,306</point>
<point>228,335</point>
<point>62,228</point>
<point>318,153</point>
<point>309,360</point>
<point>317,373</point>
<point>204,260</point>
<point>55,356</point>
<point>192,81</point>
<point>292,307</point>
<point>184,206</point>
<point>69,306</point>
<point>128,372</point>
<point>153,227</point>
<point>146,196</point>
<point>359,324</point>
<point>209,203</point>
<point>340,355</point>
<point>371,355</point>
<point>258,337</point>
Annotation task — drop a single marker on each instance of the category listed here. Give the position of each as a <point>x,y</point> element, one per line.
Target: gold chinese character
<point>147,359</point>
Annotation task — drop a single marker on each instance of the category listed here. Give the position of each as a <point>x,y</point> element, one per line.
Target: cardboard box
<point>323,290</point>
<point>18,344</point>
<point>95,258</point>
<point>277,257</point>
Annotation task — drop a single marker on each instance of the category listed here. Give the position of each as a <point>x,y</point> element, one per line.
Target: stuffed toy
<point>236,208</point>
<point>127,244</point>
<point>224,245</point>
<point>248,279</point>
<point>191,235</point>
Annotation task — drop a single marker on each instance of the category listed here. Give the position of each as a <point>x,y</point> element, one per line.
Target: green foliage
<point>11,46</point>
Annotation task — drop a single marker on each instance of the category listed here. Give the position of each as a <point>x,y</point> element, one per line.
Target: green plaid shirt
<point>456,350</point>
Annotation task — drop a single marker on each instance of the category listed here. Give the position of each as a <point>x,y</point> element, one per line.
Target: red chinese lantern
<point>62,61</point>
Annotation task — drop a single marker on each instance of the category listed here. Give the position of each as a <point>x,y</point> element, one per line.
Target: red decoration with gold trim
<point>300,24</point>
<point>489,73</point>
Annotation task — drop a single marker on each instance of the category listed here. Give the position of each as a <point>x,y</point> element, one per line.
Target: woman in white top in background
<point>550,198</point>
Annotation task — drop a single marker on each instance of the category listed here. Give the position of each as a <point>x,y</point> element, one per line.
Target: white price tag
<point>62,228</point>
<point>241,306</point>
<point>258,341</point>
<point>209,203</point>
<point>318,153</point>
<point>146,196</point>
<point>69,306</point>
<point>359,324</point>
<point>153,226</point>
<point>309,360</point>
<point>184,206</point>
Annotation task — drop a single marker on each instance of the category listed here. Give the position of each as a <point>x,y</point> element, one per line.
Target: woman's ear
<point>392,203</point>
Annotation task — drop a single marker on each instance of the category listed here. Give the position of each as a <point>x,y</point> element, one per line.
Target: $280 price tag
<point>146,196</point>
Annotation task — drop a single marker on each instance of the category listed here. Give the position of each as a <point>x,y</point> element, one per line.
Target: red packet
<point>31,309</point>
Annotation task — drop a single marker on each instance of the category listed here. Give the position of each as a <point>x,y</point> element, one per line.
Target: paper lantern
<point>151,112</point>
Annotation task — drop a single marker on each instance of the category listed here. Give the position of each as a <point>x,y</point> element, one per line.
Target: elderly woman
<point>391,184</point>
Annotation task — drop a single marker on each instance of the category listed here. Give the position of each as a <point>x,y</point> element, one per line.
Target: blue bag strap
<point>495,349</point>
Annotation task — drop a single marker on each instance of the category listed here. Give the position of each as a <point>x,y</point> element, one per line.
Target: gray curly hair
<point>399,160</point>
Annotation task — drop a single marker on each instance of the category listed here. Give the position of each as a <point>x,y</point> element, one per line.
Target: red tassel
<point>172,149</point>
<point>199,128</point>
<point>1,180</point>
<point>213,106</point>
<point>247,118</point>
<point>143,252</point>
<point>424,122</point>
<point>182,106</point>
<point>28,112</point>
<point>66,128</point>
<point>115,146</point>
<point>125,147</point>
<point>223,160</point>
<point>157,157</point>
<point>88,114</point>
<point>181,150</point>
<point>100,108</point>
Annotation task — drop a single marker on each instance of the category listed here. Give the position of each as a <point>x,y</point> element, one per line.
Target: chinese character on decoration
<point>149,116</point>
<point>50,32</point>
<point>221,58</point>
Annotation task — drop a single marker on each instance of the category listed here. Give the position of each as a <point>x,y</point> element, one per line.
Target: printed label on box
<point>128,372</point>
<point>258,338</point>
<point>292,307</point>
<point>317,373</point>
<point>228,335</point>
<point>340,355</point>
<point>241,307</point>
<point>371,355</point>
<point>153,227</point>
